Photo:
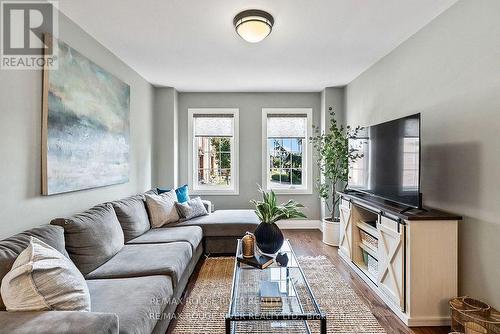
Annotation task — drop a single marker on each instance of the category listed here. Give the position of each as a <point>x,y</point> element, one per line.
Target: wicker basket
<point>471,316</point>
<point>368,240</point>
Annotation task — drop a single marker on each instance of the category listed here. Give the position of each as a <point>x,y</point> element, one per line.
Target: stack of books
<point>258,261</point>
<point>270,297</point>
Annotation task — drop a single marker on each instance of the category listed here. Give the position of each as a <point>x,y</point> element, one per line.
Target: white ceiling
<point>191,44</point>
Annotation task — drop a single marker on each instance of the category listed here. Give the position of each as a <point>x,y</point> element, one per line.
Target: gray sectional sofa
<point>135,274</point>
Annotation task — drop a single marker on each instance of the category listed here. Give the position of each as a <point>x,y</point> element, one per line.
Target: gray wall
<point>20,125</point>
<point>250,106</point>
<point>334,97</point>
<point>165,141</point>
<point>450,72</point>
<point>331,97</point>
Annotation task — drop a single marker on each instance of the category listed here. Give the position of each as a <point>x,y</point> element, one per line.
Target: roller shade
<point>286,126</point>
<point>213,125</point>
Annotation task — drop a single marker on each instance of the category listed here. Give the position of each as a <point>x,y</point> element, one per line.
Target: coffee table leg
<point>323,326</point>
<point>228,326</point>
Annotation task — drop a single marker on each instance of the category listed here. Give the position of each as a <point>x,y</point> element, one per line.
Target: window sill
<point>288,191</point>
<point>210,192</point>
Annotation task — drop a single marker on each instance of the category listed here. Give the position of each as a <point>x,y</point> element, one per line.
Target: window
<point>213,151</point>
<point>411,148</point>
<point>287,155</point>
<point>359,170</point>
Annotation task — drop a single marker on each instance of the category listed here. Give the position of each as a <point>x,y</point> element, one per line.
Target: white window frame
<point>307,147</point>
<point>193,172</point>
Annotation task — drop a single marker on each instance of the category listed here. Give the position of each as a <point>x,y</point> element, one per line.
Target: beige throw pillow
<point>42,279</point>
<point>162,208</point>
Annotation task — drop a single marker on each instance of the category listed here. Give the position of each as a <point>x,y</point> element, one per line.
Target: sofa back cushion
<point>10,248</point>
<point>132,215</point>
<point>92,237</point>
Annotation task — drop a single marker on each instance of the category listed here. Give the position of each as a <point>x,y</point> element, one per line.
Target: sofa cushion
<point>224,223</point>
<point>145,260</point>
<point>162,209</point>
<point>139,308</point>
<point>10,248</point>
<point>92,237</point>
<point>58,322</point>
<point>43,279</point>
<point>132,215</point>
<point>191,234</point>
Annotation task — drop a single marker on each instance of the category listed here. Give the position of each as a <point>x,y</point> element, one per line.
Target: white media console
<point>408,257</point>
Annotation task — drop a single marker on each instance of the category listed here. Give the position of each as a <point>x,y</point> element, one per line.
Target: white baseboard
<point>295,224</point>
<point>421,322</point>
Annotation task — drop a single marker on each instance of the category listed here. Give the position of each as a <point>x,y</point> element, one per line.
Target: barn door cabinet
<point>408,257</point>
<point>345,228</point>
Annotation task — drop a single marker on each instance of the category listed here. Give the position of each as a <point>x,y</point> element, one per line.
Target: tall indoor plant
<point>268,236</point>
<point>333,158</point>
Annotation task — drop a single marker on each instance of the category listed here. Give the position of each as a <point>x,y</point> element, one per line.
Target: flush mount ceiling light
<point>253,25</point>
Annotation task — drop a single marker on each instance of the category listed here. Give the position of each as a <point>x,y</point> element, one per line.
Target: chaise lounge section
<point>135,274</point>
<point>222,228</point>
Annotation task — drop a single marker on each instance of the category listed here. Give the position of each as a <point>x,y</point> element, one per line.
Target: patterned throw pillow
<point>43,279</point>
<point>192,208</point>
<point>162,208</point>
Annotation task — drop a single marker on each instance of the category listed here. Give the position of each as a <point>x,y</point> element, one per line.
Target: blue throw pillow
<point>182,193</point>
<point>162,190</point>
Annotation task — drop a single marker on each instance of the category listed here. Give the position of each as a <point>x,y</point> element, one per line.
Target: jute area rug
<point>204,309</point>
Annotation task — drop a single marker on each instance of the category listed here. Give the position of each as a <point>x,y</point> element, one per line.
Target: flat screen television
<point>390,166</point>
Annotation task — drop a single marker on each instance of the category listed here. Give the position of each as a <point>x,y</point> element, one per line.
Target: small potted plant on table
<point>268,236</point>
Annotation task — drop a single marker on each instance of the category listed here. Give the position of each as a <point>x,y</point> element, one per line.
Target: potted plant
<point>333,158</point>
<point>268,236</point>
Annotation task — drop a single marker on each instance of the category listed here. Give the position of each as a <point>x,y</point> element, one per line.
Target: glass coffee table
<point>299,312</point>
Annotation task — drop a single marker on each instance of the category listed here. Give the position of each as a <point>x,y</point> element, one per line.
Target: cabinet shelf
<point>368,229</point>
<point>369,250</point>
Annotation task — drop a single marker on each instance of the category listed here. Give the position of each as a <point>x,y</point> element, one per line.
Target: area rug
<point>203,310</point>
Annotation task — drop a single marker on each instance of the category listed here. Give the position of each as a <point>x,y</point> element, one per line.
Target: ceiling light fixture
<point>253,25</point>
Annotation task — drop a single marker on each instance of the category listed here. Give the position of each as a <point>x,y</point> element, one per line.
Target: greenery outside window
<point>214,161</point>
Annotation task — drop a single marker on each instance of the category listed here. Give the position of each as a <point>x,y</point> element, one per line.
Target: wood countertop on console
<point>398,210</point>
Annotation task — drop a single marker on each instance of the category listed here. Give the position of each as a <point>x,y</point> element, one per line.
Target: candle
<point>248,243</point>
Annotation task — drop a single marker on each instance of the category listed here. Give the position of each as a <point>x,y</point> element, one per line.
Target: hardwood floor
<point>308,243</point>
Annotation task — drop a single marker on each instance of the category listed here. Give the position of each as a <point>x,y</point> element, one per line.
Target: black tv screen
<point>390,166</point>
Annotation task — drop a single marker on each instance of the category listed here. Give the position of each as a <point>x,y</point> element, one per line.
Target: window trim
<point>307,169</point>
<point>234,155</point>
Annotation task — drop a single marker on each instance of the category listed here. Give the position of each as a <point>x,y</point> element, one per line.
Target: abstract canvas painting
<point>85,126</point>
